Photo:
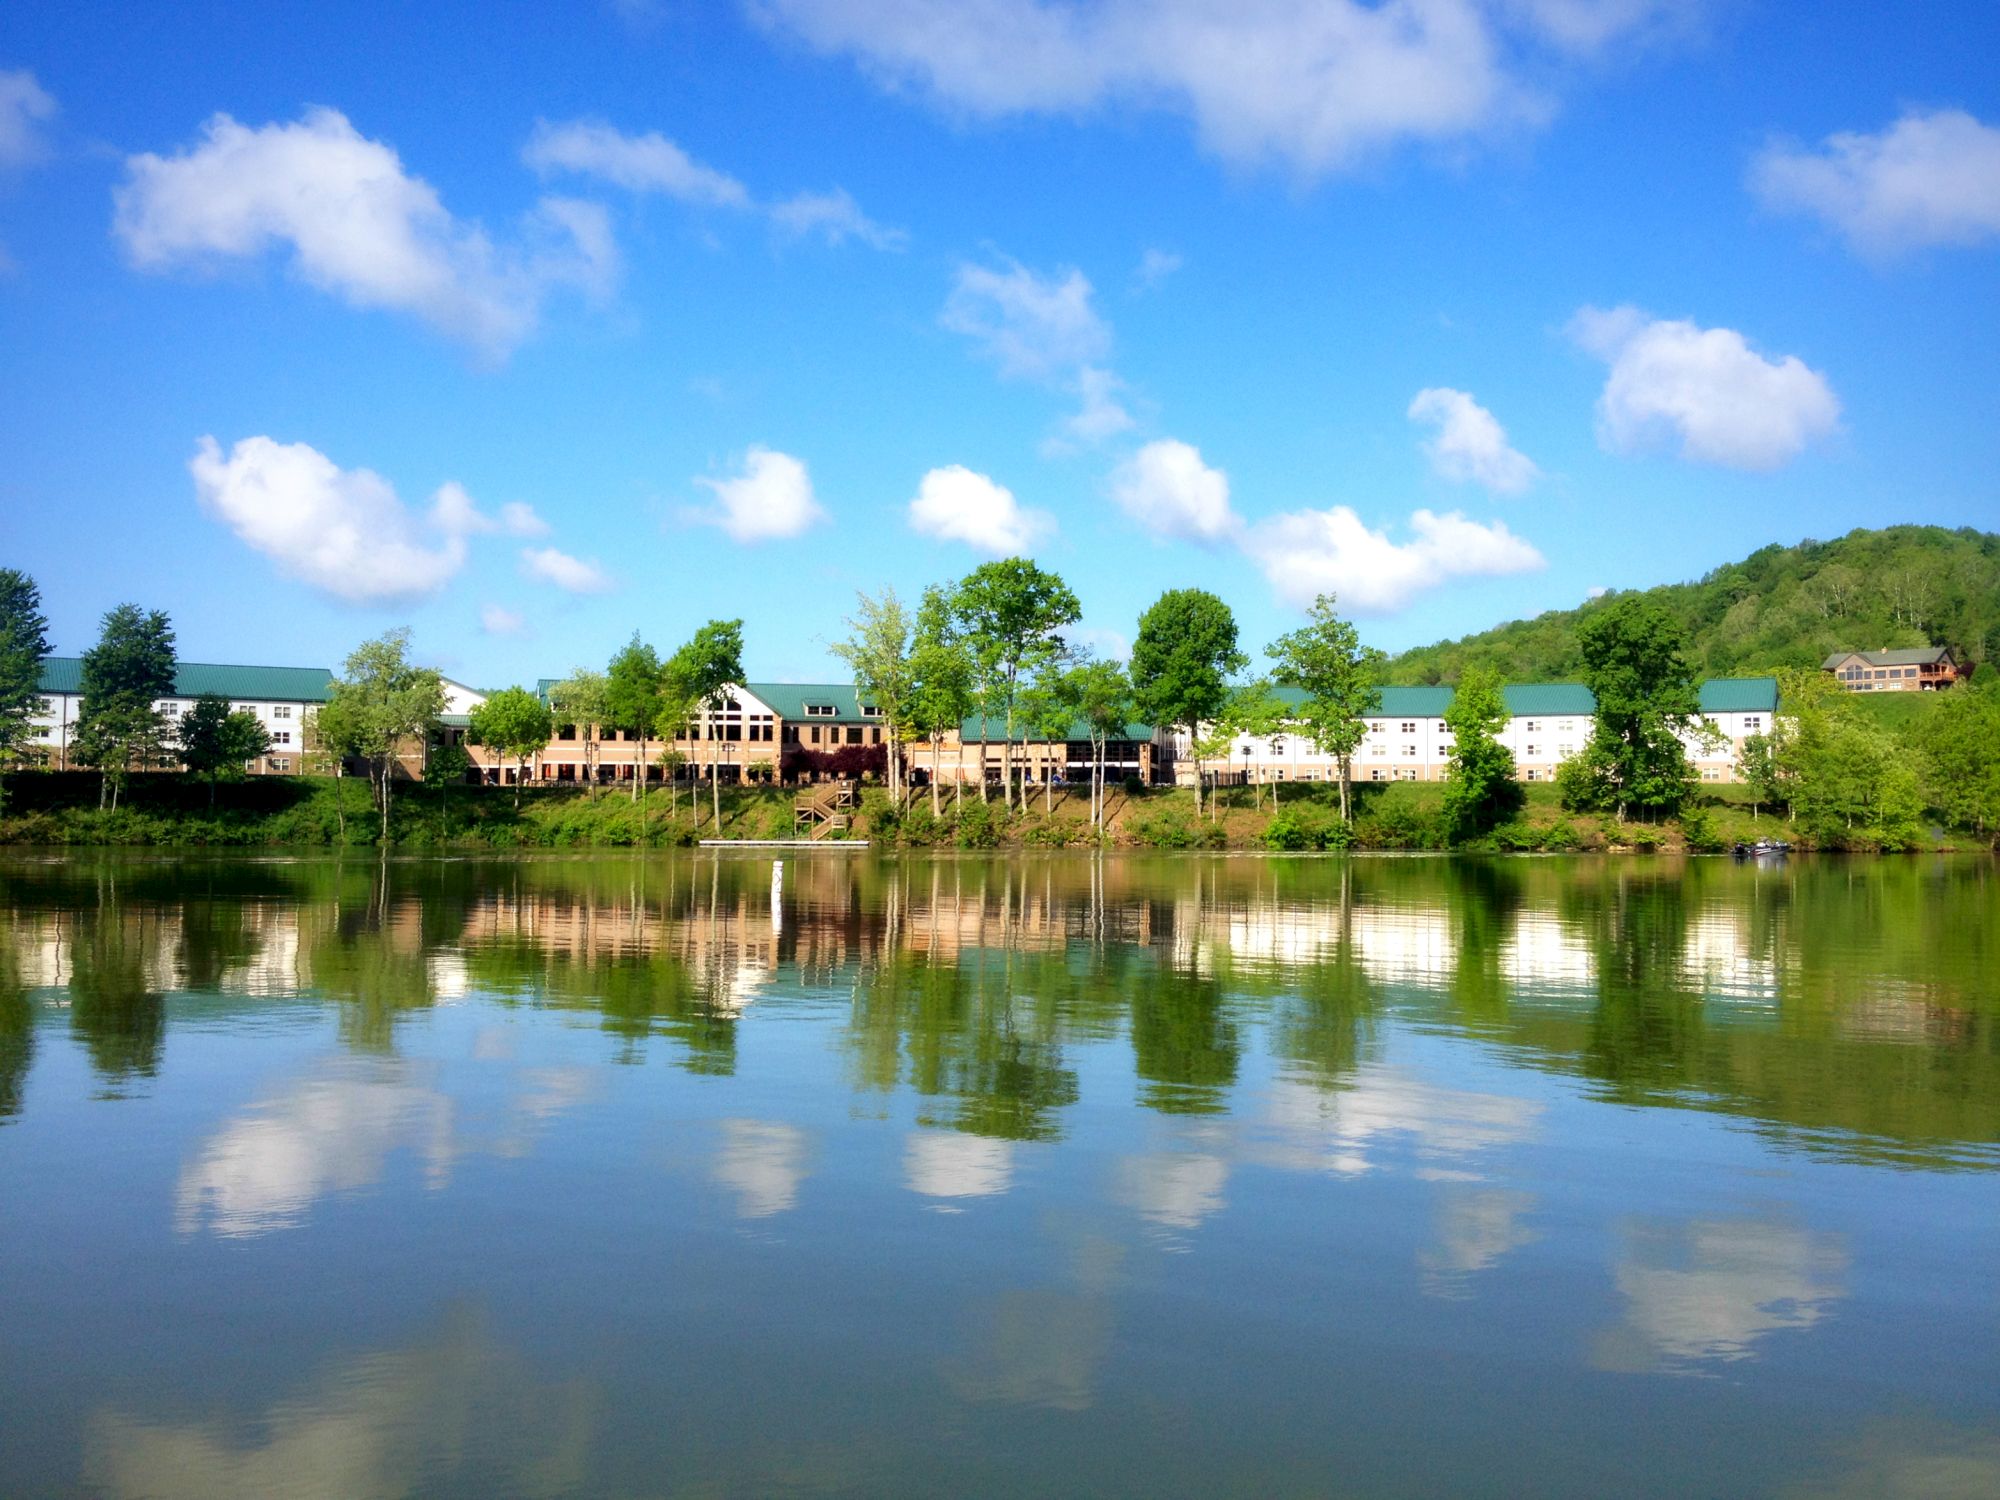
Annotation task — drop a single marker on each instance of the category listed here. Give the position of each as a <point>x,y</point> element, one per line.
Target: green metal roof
<point>1392,702</point>
<point>995,730</point>
<point>64,674</point>
<point>1736,695</point>
<point>1907,657</point>
<point>788,700</point>
<point>1547,699</point>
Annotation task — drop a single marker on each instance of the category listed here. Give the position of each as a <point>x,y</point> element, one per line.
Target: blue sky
<point>528,325</point>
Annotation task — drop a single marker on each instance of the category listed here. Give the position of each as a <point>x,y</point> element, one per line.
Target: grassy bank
<point>56,808</point>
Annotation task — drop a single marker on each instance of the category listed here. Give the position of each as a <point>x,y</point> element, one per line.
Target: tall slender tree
<point>1182,659</point>
<point>941,672</point>
<point>124,676</point>
<point>24,647</point>
<point>632,700</point>
<point>1339,676</point>
<point>1104,704</point>
<point>578,700</point>
<point>1011,614</point>
<point>384,702</point>
<point>709,665</point>
<point>877,648</point>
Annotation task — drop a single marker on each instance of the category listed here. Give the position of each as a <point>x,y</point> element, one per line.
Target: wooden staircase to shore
<point>825,811</point>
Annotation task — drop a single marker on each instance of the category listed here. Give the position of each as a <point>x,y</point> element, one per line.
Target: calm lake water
<point>1151,1176</point>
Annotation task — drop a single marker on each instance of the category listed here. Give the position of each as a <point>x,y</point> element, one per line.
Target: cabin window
<point>819,710</point>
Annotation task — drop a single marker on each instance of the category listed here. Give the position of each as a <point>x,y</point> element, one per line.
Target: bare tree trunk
<point>982,757</point>
<point>937,750</point>
<point>1346,771</point>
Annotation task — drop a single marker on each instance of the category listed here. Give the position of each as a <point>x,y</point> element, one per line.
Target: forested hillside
<point>1779,607</point>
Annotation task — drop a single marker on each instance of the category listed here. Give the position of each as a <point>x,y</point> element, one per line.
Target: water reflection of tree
<point>1185,1045</point>
<point>115,1011</point>
<point>17,1030</point>
<point>634,994</point>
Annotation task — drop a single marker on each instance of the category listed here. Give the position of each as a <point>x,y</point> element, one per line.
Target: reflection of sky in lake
<point>1118,1177</point>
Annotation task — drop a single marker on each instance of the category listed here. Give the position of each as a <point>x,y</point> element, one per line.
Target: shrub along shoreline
<point>57,809</point>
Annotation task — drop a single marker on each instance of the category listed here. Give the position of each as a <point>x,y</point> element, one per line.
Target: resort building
<point>280,697</point>
<point>1925,669</point>
<point>1548,722</point>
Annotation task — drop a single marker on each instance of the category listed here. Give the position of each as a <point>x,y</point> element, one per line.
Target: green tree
<point>632,700</point>
<point>1480,790</point>
<point>1048,710</point>
<point>513,722</point>
<point>1257,712</point>
<point>941,675</point>
<point>707,667</point>
<point>215,739</point>
<point>24,646</point>
<point>1103,698</point>
<point>579,700</point>
<point>1011,614</point>
<point>1182,659</point>
<point>124,676</point>
<point>1634,660</point>
<point>1758,766</point>
<point>382,703</point>
<point>1326,661</point>
<point>1847,781</point>
<point>445,768</point>
<point>877,648</point>
<point>1959,744</point>
<point>332,736</point>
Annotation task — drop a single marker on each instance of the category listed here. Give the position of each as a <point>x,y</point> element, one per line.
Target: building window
<point>1377,774</point>
<point>854,734</point>
<point>281,763</point>
<point>1753,723</point>
<point>815,734</point>
<point>871,711</point>
<point>1532,751</point>
<point>1533,774</point>
<point>1710,773</point>
<point>1278,746</point>
<point>282,711</point>
<point>1409,751</point>
<point>1409,726</point>
<point>1563,752</point>
<point>819,710</point>
<point>1532,727</point>
<point>281,736</point>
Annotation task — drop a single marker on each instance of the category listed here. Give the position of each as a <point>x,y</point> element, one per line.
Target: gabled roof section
<point>1739,695</point>
<point>1913,656</point>
<point>790,700</point>
<point>1544,700</point>
<point>64,674</point>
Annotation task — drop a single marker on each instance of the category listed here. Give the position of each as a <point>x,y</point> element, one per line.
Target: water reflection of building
<point>1541,953</point>
<point>1721,961</point>
<point>1404,945</point>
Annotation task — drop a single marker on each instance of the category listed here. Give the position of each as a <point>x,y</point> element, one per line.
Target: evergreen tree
<point>124,676</point>
<point>24,647</point>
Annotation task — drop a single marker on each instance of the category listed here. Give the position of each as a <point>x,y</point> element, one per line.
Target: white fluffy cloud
<point>771,497</point>
<point>342,531</point>
<point>1932,178</point>
<point>1468,445</point>
<point>836,218</point>
<point>1704,391</point>
<point>1310,552</point>
<point>357,225</point>
<point>1313,84</point>
<point>455,512</point>
<point>647,163</point>
<point>956,505</point>
<point>1167,488</point>
<point>24,107</point>
<point>571,574</point>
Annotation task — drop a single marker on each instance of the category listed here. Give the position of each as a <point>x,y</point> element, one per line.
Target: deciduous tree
<point>1182,659</point>
<point>632,700</point>
<point>706,668</point>
<point>1480,789</point>
<point>877,648</point>
<point>578,700</point>
<point>382,702</point>
<point>214,739</point>
<point>1011,614</point>
<point>1635,662</point>
<point>124,676</point>
<point>1339,676</point>
<point>513,722</point>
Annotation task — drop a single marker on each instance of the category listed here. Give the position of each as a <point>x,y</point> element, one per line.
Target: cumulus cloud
<point>1099,413</point>
<point>1468,445</point>
<point>571,574</point>
<point>1315,85</point>
<point>357,225</point>
<point>956,505</point>
<point>648,163</point>
<point>1311,552</point>
<point>497,619</point>
<point>836,218</point>
<point>25,106</point>
<point>455,512</point>
<point>1932,178</point>
<point>1703,391</point>
<point>1167,489</point>
<point>769,498</point>
<point>342,531</point>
